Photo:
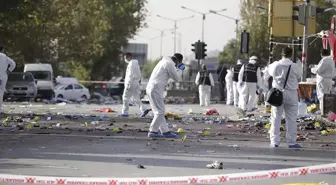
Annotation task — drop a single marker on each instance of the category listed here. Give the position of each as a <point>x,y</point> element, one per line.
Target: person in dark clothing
<point>236,70</point>
<point>204,80</point>
<point>221,72</point>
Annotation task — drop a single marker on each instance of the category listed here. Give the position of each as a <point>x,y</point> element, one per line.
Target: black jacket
<point>221,72</point>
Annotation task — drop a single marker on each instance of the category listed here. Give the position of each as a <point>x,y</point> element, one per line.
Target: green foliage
<point>87,34</point>
<point>148,68</point>
<point>78,71</point>
<point>255,21</point>
<point>323,23</point>
<point>227,56</point>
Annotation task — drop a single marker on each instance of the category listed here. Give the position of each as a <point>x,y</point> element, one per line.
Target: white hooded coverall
<point>324,71</point>
<point>132,86</point>
<point>229,87</point>
<point>6,63</point>
<point>158,80</point>
<point>236,88</point>
<point>204,90</point>
<point>248,89</point>
<point>290,99</point>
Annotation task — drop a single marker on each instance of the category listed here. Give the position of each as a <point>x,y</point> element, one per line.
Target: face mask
<point>127,61</point>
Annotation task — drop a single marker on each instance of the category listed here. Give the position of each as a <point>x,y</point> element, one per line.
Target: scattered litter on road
<point>212,112</point>
<point>117,130</point>
<point>215,165</point>
<point>184,138</point>
<point>105,110</point>
<point>206,133</point>
<point>180,131</point>
<point>233,146</point>
<point>141,167</point>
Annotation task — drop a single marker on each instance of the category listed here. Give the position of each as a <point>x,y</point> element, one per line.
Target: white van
<point>43,74</point>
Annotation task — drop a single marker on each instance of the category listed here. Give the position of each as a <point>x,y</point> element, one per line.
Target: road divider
<point>204,179</point>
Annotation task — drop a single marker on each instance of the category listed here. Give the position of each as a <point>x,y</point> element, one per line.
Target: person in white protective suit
<point>236,93</point>
<point>132,87</point>
<point>168,67</point>
<point>204,80</point>
<point>279,72</point>
<point>229,86</point>
<point>325,72</point>
<point>248,79</point>
<point>7,65</point>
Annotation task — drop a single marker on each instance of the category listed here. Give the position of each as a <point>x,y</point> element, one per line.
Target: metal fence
<point>183,89</point>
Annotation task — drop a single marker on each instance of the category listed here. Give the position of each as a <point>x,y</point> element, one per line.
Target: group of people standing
<point>243,84</point>
<point>245,81</point>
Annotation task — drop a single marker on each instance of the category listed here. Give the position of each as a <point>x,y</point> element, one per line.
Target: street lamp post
<point>161,38</point>
<point>203,17</point>
<point>151,43</point>
<point>237,29</point>
<point>175,26</point>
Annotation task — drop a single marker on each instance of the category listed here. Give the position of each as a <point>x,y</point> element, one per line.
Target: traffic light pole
<point>271,49</point>
<point>237,34</point>
<point>305,42</point>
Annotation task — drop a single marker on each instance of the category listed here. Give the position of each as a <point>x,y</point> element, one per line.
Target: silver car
<point>21,85</point>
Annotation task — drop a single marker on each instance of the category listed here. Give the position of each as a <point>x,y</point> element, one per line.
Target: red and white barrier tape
<point>206,179</point>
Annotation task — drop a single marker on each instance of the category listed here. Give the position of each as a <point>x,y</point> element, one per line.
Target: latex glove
<point>181,66</point>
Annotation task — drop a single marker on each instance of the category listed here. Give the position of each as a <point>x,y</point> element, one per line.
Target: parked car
<point>44,75</point>
<point>72,92</point>
<point>21,85</point>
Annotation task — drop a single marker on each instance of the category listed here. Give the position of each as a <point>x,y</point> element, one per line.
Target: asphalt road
<point>76,150</point>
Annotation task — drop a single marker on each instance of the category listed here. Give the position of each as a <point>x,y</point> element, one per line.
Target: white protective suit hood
<point>253,60</point>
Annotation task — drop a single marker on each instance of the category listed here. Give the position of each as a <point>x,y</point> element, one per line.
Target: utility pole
<point>305,42</point>
<point>175,28</point>
<point>237,29</point>
<point>175,25</point>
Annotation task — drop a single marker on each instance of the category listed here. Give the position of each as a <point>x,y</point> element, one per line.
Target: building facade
<point>139,51</point>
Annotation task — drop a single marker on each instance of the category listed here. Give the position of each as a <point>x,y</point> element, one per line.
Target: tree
<point>148,68</point>
<point>85,35</point>
<point>255,21</point>
<point>228,55</point>
<point>126,17</point>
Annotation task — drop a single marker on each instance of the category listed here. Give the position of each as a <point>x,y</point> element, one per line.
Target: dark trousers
<point>222,90</point>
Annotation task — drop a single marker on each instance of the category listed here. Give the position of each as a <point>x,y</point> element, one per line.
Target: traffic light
<point>194,49</point>
<point>300,17</point>
<point>245,42</point>
<point>203,50</point>
<point>300,44</point>
<point>315,10</point>
<point>271,47</point>
<point>197,48</point>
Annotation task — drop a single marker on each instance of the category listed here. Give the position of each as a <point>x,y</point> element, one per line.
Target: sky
<point>217,30</point>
